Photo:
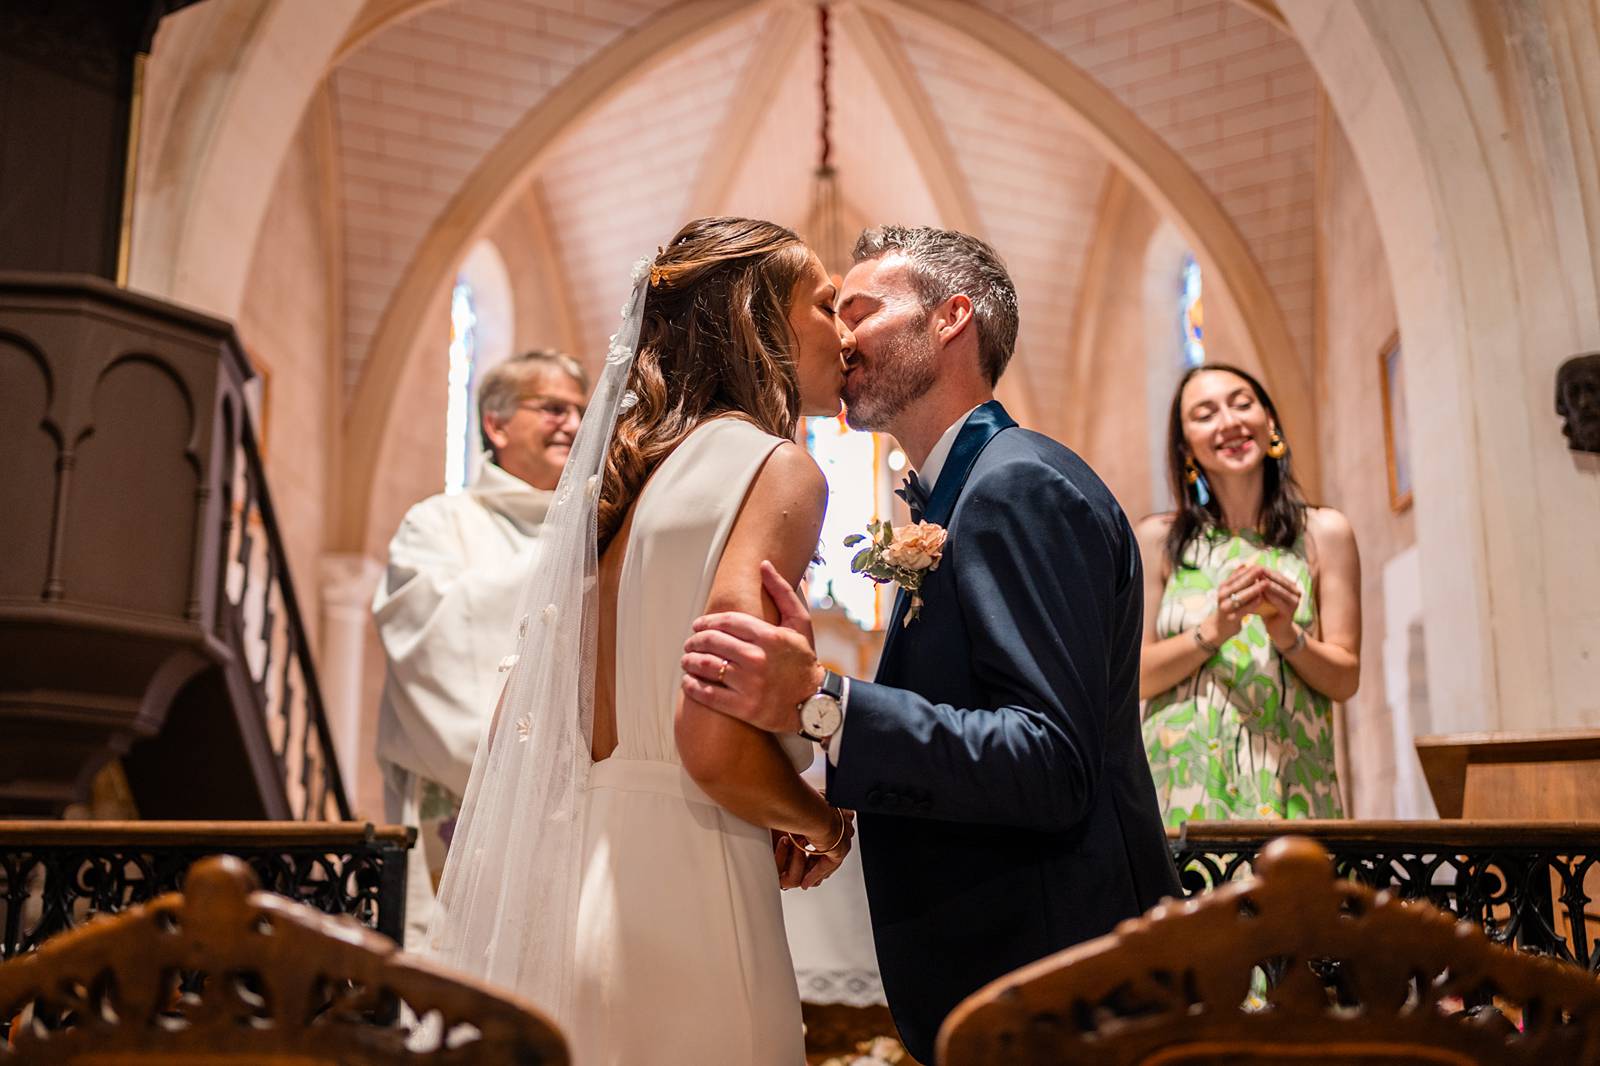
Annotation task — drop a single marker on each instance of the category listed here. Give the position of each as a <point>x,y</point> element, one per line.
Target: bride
<point>620,848</point>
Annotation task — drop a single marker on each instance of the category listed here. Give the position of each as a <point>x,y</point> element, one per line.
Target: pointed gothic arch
<point>1148,162</point>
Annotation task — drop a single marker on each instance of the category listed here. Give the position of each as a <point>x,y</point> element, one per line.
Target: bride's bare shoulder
<point>790,476</point>
<point>781,517</point>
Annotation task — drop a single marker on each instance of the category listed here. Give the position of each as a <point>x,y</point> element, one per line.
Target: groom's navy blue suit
<point>1006,807</point>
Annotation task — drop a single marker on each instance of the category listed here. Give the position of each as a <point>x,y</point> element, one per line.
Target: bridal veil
<point>508,899</point>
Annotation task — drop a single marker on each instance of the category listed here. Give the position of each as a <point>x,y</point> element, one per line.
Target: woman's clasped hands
<point>1259,590</point>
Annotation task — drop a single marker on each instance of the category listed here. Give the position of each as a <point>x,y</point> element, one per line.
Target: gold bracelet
<point>1205,645</point>
<point>811,849</point>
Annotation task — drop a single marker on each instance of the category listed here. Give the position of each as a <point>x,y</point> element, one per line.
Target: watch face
<point>820,715</point>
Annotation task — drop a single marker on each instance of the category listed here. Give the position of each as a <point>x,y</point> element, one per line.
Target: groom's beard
<point>888,384</point>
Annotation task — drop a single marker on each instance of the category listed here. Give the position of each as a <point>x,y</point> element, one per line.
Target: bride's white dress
<point>681,954</point>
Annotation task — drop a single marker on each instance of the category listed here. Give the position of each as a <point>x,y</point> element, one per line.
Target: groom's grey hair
<point>945,263</point>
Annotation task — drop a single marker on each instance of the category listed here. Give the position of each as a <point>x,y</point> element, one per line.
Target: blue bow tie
<point>915,493</point>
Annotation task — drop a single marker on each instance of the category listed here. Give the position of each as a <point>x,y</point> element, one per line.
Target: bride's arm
<point>741,767</point>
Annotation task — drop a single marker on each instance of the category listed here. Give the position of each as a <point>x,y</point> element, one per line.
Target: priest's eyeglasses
<point>553,409</point>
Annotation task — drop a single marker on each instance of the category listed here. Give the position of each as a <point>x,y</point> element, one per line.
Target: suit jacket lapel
<point>980,428</point>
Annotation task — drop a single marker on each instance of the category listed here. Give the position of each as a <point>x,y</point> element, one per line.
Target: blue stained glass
<point>1191,314</point>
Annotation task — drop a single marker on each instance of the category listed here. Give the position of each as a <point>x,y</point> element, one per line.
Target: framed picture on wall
<point>1396,434</point>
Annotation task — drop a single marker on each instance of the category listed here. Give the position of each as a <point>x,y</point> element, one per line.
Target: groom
<point>1006,807</point>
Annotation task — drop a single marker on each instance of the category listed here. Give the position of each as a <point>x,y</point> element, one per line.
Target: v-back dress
<point>681,954</point>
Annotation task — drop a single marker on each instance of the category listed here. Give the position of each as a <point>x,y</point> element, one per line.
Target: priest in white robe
<point>445,608</point>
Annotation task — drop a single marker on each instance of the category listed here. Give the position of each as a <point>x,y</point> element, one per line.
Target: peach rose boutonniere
<point>903,556</point>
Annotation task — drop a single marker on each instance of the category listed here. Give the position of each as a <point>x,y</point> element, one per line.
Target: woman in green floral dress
<point>1252,617</point>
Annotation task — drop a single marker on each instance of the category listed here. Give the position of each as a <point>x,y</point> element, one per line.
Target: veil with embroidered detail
<point>508,900</point>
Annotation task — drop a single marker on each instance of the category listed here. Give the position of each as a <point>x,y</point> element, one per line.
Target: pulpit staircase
<point>278,730</point>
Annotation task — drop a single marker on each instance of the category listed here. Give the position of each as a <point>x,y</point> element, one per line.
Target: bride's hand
<point>790,859</point>
<point>822,865</point>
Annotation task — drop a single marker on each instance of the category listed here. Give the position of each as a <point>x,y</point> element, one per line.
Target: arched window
<point>458,427</point>
<point>1174,342</point>
<point>857,468</point>
<point>481,331</point>
<point>1191,313</point>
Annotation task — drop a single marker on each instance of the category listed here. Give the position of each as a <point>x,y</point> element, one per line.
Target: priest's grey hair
<point>945,263</point>
<point>506,385</point>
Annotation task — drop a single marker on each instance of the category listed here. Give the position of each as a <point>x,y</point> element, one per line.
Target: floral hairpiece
<point>649,267</point>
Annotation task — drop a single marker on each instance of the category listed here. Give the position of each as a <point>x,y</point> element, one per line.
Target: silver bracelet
<point>1299,642</point>
<point>1205,645</point>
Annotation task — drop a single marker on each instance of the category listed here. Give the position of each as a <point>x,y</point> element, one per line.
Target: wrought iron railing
<point>262,624</point>
<point>1529,885</point>
<point>56,875</point>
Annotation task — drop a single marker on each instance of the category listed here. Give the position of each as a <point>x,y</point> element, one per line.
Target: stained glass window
<point>856,469</point>
<point>460,434</point>
<point>1191,313</point>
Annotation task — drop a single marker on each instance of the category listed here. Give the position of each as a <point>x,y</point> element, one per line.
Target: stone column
<point>348,583</point>
<point>1477,140</point>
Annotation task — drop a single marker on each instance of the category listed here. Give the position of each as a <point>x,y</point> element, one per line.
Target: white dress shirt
<point>932,467</point>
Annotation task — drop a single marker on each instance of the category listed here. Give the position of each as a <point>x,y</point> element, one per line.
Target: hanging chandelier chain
<point>825,157</point>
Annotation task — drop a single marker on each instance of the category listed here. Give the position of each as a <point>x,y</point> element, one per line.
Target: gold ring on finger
<point>1233,598</point>
<point>722,671</point>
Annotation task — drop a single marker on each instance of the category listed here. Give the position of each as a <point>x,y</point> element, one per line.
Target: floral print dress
<point>1243,737</point>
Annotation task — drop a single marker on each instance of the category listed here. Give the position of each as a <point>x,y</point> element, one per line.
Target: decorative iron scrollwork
<point>1528,896</point>
<point>46,888</point>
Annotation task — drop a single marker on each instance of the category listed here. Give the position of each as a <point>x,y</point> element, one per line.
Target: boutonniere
<point>904,556</point>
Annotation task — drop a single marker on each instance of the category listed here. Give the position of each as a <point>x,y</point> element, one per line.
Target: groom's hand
<point>751,669</point>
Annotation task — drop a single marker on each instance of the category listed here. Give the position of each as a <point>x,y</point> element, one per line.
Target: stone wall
<point>1356,318</point>
<point>284,327</point>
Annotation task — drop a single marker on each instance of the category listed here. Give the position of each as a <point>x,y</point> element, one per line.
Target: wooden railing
<point>264,628</point>
<point>56,875</point>
<point>1530,885</point>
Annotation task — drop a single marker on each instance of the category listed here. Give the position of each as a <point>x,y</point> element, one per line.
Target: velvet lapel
<point>979,429</point>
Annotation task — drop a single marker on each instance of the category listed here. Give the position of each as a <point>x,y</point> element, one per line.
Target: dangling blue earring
<point>1192,475</point>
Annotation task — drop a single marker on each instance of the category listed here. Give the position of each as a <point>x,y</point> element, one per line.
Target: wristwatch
<point>822,714</point>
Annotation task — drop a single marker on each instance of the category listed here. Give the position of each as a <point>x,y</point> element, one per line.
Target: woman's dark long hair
<point>1281,516</point>
<point>715,341</point>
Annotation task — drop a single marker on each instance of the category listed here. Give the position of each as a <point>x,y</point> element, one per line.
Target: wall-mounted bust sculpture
<point>1578,401</point>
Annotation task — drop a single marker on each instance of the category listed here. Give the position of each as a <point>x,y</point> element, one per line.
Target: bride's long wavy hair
<point>715,341</point>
